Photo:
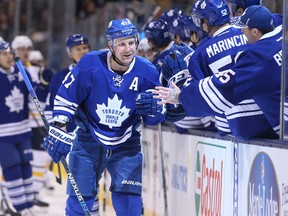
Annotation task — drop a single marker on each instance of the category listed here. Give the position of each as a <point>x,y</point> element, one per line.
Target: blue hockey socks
<point>127,204</point>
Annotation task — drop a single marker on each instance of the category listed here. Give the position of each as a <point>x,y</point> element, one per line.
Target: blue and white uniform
<point>15,143</point>
<point>108,105</point>
<point>220,53</point>
<point>256,75</point>
<point>54,85</point>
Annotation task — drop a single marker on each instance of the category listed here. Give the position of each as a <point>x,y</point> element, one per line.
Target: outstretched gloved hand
<point>147,105</point>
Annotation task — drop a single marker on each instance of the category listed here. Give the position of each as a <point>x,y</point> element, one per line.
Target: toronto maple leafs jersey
<point>14,120</point>
<point>108,99</point>
<point>256,75</point>
<point>54,85</point>
<point>217,56</point>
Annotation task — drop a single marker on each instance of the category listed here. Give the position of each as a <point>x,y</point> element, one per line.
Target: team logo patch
<point>15,101</point>
<point>112,114</point>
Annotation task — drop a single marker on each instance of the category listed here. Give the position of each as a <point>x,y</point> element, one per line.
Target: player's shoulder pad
<point>92,59</point>
<point>146,67</point>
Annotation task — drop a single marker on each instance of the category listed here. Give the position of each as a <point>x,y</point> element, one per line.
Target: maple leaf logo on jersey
<point>15,101</point>
<point>113,114</point>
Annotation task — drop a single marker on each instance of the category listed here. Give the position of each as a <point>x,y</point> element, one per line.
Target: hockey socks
<point>127,204</point>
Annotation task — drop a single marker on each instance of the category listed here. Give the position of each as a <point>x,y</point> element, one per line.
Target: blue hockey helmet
<point>170,15</point>
<point>243,4</point>
<point>121,28</point>
<point>75,40</point>
<point>216,12</point>
<point>158,32</point>
<point>177,28</point>
<point>190,27</point>
<point>5,46</point>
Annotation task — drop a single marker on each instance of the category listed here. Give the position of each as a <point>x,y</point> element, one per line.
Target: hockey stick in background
<point>45,121</point>
<point>163,169</point>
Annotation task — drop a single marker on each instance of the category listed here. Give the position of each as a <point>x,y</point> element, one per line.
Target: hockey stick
<point>45,121</point>
<point>163,169</point>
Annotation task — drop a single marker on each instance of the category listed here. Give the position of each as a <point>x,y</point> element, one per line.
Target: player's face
<point>77,52</point>
<point>125,49</point>
<point>23,53</point>
<point>251,34</point>
<point>6,59</point>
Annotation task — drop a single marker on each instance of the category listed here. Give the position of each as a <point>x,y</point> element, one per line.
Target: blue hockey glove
<point>174,114</point>
<point>174,68</point>
<point>183,49</point>
<point>147,105</point>
<point>58,143</point>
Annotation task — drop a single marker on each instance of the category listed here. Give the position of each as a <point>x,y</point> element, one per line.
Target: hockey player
<point>15,136</point>
<point>157,33</point>
<point>40,77</point>
<point>196,35</point>
<point>177,32</point>
<point>239,6</point>
<point>145,50</point>
<point>218,55</point>
<point>101,91</point>
<point>256,75</point>
<point>77,45</point>
<point>36,58</point>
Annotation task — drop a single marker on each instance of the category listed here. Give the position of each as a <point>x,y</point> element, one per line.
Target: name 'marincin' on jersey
<point>217,56</point>
<point>256,75</point>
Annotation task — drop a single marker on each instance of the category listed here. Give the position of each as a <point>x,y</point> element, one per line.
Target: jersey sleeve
<point>215,94</point>
<point>73,90</point>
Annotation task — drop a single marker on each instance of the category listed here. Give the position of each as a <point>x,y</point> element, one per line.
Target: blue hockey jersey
<point>256,75</point>
<point>54,85</point>
<point>14,120</point>
<point>217,56</point>
<point>107,99</point>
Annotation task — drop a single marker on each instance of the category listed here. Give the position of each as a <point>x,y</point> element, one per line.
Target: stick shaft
<point>63,160</point>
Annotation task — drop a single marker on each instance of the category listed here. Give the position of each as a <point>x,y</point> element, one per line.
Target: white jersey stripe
<point>114,140</point>
<point>13,129</point>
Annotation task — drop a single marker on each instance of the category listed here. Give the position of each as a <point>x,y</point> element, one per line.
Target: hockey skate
<point>40,206</point>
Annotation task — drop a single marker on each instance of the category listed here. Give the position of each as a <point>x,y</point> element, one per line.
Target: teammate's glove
<point>174,68</point>
<point>147,105</point>
<point>174,114</point>
<point>183,48</point>
<point>58,143</point>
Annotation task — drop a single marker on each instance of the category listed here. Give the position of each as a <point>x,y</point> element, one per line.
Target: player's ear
<point>255,31</point>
